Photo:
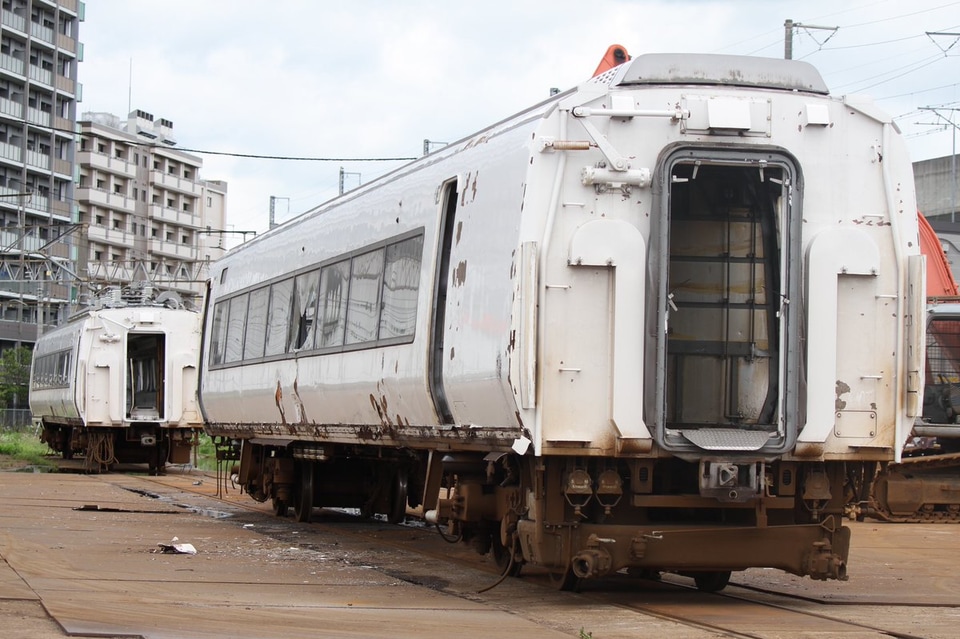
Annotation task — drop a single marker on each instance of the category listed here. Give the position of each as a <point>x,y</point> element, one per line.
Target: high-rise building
<point>39,52</point>
<point>145,214</point>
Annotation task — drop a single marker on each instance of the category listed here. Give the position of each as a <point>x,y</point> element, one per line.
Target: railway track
<point>747,608</point>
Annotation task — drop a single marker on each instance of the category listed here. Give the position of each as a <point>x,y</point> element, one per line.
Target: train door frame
<point>784,377</point>
<point>136,344</point>
<point>449,193</point>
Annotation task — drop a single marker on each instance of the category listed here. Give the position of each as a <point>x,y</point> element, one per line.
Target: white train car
<point>118,384</point>
<point>654,322</point>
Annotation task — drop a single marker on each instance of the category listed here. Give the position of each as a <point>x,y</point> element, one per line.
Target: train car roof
<point>730,70</point>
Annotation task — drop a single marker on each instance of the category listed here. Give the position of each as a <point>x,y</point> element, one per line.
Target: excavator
<point>924,487</point>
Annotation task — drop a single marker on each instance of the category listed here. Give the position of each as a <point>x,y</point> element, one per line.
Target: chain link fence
<point>16,419</point>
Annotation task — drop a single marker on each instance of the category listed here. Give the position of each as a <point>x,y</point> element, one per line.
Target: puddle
<point>206,512</point>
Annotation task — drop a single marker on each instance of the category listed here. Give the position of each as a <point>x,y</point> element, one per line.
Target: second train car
<point>654,322</point>
<point>117,383</point>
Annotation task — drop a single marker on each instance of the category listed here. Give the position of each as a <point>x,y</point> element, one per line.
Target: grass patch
<point>26,447</point>
<point>206,455</point>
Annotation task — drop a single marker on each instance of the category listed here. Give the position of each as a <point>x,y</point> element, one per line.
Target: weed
<point>26,447</point>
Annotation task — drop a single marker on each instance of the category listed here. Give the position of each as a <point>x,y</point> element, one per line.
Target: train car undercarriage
<point>581,518</point>
<point>101,448</point>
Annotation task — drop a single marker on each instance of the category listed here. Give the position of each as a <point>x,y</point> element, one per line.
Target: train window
<point>333,304</point>
<point>256,330</point>
<point>401,281</point>
<point>235,321</point>
<point>278,317</point>
<point>363,303</point>
<point>304,314</point>
<point>218,338</point>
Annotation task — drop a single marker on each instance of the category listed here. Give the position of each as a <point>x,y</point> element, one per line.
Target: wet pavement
<point>81,554</point>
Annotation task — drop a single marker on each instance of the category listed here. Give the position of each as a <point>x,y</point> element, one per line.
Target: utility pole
<point>953,154</point>
<point>273,209</point>
<point>788,28</point>
<point>428,143</point>
<point>343,174</point>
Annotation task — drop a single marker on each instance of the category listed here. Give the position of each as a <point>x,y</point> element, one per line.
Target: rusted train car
<point>117,383</point>
<point>654,322</point>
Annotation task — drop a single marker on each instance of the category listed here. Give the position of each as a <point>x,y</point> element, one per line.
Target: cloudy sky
<point>373,79</point>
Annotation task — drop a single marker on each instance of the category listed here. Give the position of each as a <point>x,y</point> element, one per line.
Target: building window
<point>101,148</point>
<point>187,174</point>
<point>119,153</point>
<point>184,239</point>
<point>170,203</point>
<point>209,201</point>
<point>169,236</point>
<point>99,220</point>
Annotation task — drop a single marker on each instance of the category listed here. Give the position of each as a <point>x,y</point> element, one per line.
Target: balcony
<point>175,183</point>
<point>62,167</point>
<point>101,197</point>
<point>36,116</point>
<point>172,249</point>
<point>10,63</point>
<point>173,216</point>
<point>114,237</point>
<point>12,239</point>
<point>10,152</point>
<point>37,203</point>
<point>67,43</point>
<point>66,85</point>
<point>12,20</point>
<point>38,160</point>
<point>41,75</point>
<point>104,162</point>
<point>46,34</point>
<point>11,108</point>
<point>69,5</point>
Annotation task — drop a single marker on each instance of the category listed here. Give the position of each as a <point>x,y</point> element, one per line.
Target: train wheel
<point>279,507</point>
<point>502,555</point>
<point>398,498</point>
<point>712,581</point>
<point>66,439</point>
<point>565,579</point>
<point>303,500</point>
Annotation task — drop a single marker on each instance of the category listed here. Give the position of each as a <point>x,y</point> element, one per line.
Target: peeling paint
<point>460,274</point>
<point>452,353</point>
<point>842,388</point>
<point>278,398</point>
<point>459,232</point>
<point>298,404</point>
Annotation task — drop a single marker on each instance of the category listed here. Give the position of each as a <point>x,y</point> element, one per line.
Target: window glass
<point>401,281</point>
<point>302,320</point>
<point>238,313</point>
<point>218,339</point>
<point>278,317</point>
<point>334,283</point>
<point>363,310</point>
<point>256,331</point>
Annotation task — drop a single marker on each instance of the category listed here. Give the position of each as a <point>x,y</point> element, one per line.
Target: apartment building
<point>145,214</point>
<point>39,52</point>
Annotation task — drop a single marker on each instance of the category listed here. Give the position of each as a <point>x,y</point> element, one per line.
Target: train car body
<point>118,383</point>
<point>651,323</point>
